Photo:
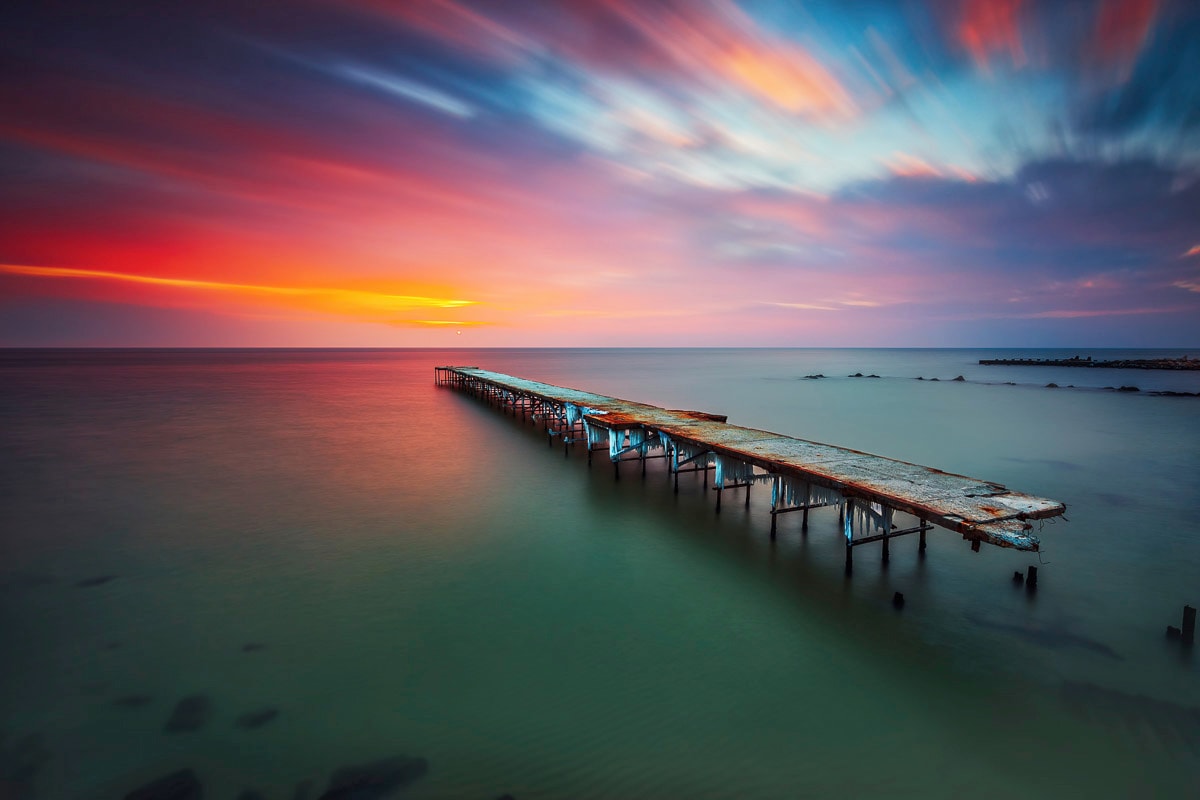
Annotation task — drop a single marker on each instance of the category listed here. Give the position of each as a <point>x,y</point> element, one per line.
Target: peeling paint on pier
<point>867,489</point>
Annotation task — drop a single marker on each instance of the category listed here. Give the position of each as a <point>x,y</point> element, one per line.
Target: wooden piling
<point>1031,579</point>
<point>1188,631</point>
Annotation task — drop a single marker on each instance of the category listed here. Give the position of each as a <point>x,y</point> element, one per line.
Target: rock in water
<point>256,719</point>
<point>375,780</point>
<point>181,785</point>
<point>190,714</point>
<point>99,580</point>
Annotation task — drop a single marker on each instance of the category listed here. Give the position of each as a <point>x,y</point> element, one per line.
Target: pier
<point>868,490</point>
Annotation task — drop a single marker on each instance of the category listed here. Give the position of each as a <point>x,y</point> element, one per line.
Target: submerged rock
<point>1051,385</point>
<point>872,376</point>
<point>20,763</point>
<point>960,379</point>
<point>375,780</point>
<point>1128,389</point>
<point>190,714</point>
<point>99,580</point>
<point>813,377</point>
<point>133,701</point>
<point>181,785</point>
<point>855,375</point>
<point>256,719</point>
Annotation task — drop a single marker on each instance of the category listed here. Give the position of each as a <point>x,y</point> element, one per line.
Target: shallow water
<point>419,574</point>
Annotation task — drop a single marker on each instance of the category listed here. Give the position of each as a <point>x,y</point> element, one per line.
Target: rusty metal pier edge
<point>735,455</point>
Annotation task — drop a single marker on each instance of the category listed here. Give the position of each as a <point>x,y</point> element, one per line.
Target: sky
<point>984,173</point>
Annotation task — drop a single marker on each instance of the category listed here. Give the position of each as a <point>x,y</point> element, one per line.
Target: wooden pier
<point>867,489</point>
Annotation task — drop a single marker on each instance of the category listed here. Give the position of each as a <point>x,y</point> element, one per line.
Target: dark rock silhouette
<point>20,763</point>
<point>181,785</point>
<point>1174,725</point>
<point>190,714</point>
<point>814,377</point>
<point>133,701</point>
<point>99,580</point>
<point>1128,389</point>
<point>872,376</point>
<point>1051,385</point>
<point>256,719</point>
<point>1052,638</point>
<point>375,780</point>
<point>855,375</point>
<point>935,379</point>
<point>960,379</point>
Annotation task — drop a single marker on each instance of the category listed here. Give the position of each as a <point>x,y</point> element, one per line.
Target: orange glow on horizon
<point>342,302</point>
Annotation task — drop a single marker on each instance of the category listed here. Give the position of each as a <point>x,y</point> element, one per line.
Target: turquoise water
<point>419,574</point>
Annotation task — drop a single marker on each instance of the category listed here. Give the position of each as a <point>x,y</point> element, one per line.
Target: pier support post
<point>718,499</point>
<point>617,468</point>
<point>807,503</point>
<point>748,485</point>
<point>921,547</point>
<point>773,519</point>
<point>643,464</point>
<point>1031,579</point>
<point>886,554</point>
<point>1188,631</point>
<point>675,465</point>
<point>847,520</point>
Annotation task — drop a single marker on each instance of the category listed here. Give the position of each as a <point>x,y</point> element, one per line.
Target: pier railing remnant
<point>867,489</point>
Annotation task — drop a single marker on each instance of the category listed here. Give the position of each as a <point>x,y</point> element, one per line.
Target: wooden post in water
<point>1188,631</point>
<point>847,520</point>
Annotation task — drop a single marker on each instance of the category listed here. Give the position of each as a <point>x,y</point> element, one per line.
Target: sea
<point>266,566</point>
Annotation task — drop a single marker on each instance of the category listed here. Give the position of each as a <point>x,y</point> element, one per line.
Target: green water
<point>425,576</point>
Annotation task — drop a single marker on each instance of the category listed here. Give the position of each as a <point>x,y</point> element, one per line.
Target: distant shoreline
<point>1184,363</point>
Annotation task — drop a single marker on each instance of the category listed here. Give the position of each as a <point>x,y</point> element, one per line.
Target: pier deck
<point>866,488</point>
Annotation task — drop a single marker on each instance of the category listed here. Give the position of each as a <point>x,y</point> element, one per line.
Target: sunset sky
<point>600,173</point>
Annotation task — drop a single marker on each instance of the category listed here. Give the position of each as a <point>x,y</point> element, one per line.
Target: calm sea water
<point>418,574</point>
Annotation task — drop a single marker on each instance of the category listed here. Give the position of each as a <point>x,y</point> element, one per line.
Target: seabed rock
<point>99,580</point>
<point>960,379</point>
<point>375,780</point>
<point>190,714</point>
<point>181,785</point>
<point>256,719</point>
